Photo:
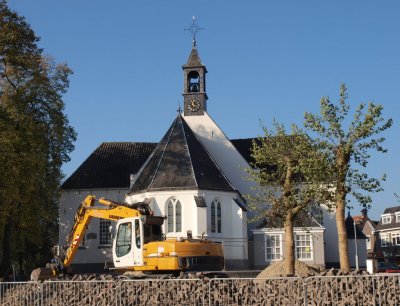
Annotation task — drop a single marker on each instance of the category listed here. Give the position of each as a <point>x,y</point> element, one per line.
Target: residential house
<point>387,247</point>
<point>367,226</point>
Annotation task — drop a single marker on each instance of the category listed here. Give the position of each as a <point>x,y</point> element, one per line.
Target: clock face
<point>194,105</point>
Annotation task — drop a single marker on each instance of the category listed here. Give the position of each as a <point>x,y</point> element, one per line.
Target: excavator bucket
<point>43,274</point>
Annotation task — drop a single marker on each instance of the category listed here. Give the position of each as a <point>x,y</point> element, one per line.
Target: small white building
<point>269,241</point>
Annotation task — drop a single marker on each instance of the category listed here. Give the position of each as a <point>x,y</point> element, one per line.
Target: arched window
<point>216,216</point>
<point>213,217</point>
<point>170,216</point>
<point>178,214</point>
<point>174,211</point>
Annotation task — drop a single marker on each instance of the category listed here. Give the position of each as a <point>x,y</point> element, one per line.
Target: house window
<point>303,246</point>
<point>385,241</point>
<point>397,217</point>
<point>396,238</point>
<point>174,211</point>
<point>386,219</point>
<point>273,247</point>
<point>368,241</point>
<point>216,216</point>
<point>105,237</point>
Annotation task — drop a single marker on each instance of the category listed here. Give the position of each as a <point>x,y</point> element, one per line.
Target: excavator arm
<point>110,210</point>
<point>86,211</point>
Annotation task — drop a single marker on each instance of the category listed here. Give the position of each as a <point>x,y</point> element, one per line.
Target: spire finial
<point>194,29</point>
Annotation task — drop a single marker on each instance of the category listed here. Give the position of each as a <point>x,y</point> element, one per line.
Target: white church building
<point>194,176</point>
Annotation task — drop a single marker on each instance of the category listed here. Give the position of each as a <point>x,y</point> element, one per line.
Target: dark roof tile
<point>303,219</point>
<point>110,166</point>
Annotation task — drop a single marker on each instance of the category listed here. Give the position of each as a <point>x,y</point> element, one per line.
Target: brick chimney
<point>364,213</point>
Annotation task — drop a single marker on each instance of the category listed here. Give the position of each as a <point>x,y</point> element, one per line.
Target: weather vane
<point>194,29</point>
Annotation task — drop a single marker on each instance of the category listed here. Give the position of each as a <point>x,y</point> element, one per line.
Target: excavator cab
<point>128,243</point>
<point>131,235</point>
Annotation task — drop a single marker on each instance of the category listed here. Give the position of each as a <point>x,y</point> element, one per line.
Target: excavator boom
<point>86,211</point>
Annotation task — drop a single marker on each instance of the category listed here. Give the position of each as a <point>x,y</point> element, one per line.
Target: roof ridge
<point>188,150</point>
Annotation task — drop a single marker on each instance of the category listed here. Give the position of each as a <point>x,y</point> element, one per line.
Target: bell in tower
<point>194,81</point>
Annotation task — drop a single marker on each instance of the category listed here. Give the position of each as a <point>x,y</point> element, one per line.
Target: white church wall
<point>91,252</point>
<point>330,237</point>
<point>198,219</point>
<point>159,206</point>
<point>222,150</point>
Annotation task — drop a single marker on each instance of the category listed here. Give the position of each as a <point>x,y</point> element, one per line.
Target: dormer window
<point>398,217</point>
<point>386,219</point>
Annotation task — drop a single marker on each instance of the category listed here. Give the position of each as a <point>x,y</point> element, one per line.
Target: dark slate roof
<point>194,59</point>
<point>393,224</point>
<point>110,166</point>
<point>303,219</point>
<point>180,162</point>
<point>350,229</point>
<point>244,147</point>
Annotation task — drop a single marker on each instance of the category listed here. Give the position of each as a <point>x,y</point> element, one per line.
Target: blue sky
<point>265,60</point>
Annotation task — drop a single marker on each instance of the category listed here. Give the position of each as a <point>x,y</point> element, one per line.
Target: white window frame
<point>395,238</point>
<point>386,219</point>
<point>368,242</point>
<point>104,232</point>
<point>385,240</point>
<point>275,249</point>
<point>306,242</point>
<point>398,217</point>
<point>176,222</point>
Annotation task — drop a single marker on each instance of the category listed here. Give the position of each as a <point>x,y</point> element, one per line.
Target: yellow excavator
<point>138,243</point>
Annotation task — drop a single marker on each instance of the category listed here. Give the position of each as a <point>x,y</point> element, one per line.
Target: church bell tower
<point>194,78</point>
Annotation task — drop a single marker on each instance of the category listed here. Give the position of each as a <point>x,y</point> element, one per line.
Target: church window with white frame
<point>216,216</point>
<point>304,246</point>
<point>174,215</point>
<point>105,236</point>
<point>273,247</point>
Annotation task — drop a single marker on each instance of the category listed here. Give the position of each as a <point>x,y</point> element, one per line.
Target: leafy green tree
<point>35,139</point>
<point>349,144</point>
<point>290,172</point>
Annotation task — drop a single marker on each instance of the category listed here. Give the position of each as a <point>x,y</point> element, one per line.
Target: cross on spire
<point>194,29</point>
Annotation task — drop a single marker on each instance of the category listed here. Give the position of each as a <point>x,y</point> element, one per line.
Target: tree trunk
<point>342,236</point>
<point>6,247</point>
<point>342,163</point>
<point>289,246</point>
